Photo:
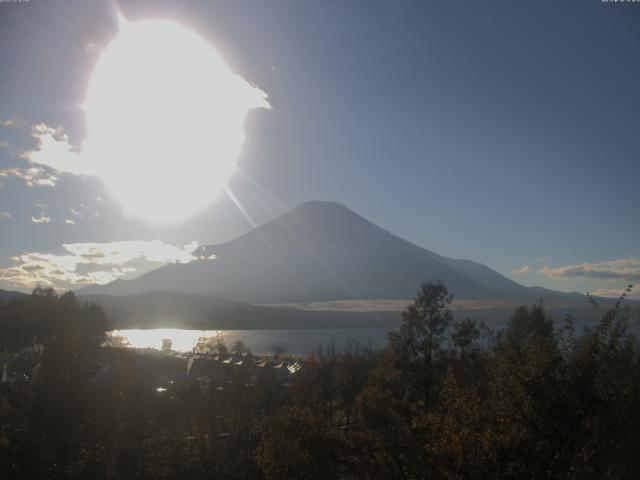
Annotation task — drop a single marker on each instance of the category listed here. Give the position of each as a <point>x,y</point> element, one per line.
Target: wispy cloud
<point>68,221</point>
<point>5,216</point>
<point>522,270</point>
<point>42,219</point>
<point>13,122</point>
<point>32,177</point>
<point>92,263</point>
<point>615,293</point>
<point>82,210</point>
<point>620,269</point>
<point>91,47</point>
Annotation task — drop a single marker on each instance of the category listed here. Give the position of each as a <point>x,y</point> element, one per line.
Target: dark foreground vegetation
<point>445,400</point>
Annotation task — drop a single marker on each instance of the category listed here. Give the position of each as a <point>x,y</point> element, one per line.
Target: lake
<point>293,341</point>
<point>260,342</point>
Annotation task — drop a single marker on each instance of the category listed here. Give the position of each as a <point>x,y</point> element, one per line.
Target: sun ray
<point>252,222</point>
<point>295,238</point>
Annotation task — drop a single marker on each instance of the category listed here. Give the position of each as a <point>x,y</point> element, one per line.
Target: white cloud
<point>125,251</point>
<point>5,216</point>
<point>90,263</point>
<point>615,293</point>
<point>68,221</point>
<point>627,269</point>
<point>522,270</point>
<point>42,219</point>
<point>54,150</point>
<point>32,177</point>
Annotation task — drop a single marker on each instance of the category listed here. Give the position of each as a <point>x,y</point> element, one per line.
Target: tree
<point>240,348</point>
<point>465,337</point>
<point>63,386</point>
<point>527,394</point>
<point>43,315</point>
<point>296,444</point>
<point>421,333</point>
<point>525,326</point>
<point>215,346</point>
<point>167,345</point>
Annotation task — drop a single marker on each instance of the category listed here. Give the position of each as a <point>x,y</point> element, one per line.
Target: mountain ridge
<point>321,251</point>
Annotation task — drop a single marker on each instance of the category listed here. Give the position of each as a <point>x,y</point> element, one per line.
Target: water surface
<point>260,342</point>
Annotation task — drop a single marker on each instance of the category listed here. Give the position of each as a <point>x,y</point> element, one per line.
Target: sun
<point>165,119</point>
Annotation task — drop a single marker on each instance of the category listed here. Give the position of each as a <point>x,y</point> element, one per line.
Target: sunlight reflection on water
<point>181,340</point>
<point>260,342</point>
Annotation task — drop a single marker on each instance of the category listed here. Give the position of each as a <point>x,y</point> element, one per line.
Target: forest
<point>447,399</point>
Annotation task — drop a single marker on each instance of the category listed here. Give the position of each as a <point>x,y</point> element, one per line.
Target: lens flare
<point>165,119</point>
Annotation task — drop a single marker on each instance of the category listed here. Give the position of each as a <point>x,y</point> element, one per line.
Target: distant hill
<point>323,251</point>
<point>200,312</point>
<point>6,295</point>
<point>180,310</point>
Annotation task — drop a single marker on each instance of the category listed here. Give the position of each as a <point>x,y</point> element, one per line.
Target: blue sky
<point>503,132</point>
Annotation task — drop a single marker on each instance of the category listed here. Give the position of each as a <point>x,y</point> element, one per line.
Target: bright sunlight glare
<point>165,118</point>
<point>181,340</point>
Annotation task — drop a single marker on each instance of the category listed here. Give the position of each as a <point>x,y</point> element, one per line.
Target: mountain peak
<point>321,207</point>
<point>323,215</point>
<point>322,250</point>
